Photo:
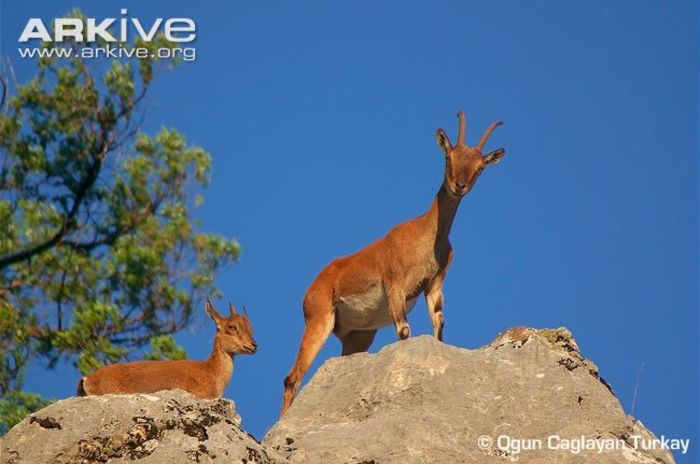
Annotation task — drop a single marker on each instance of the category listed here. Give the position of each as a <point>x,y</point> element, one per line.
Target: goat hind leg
<point>357,341</point>
<point>318,328</point>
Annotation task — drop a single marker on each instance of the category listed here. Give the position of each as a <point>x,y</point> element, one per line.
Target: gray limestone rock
<point>416,401</point>
<point>169,427</point>
<point>422,401</point>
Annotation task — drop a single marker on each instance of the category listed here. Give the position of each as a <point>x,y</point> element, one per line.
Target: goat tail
<point>80,389</point>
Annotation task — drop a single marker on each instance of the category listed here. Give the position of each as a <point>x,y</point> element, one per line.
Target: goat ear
<point>443,140</point>
<point>211,310</point>
<point>495,156</point>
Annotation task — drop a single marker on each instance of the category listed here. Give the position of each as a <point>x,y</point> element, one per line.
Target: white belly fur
<point>369,310</point>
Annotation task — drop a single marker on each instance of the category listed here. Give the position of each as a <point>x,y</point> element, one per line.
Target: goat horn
<point>487,134</point>
<point>245,311</point>
<point>231,308</point>
<point>462,127</point>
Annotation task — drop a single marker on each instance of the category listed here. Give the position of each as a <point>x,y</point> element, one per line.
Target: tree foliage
<point>100,255</point>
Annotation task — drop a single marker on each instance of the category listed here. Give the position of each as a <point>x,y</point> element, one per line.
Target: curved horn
<point>462,127</point>
<point>245,311</point>
<point>231,308</point>
<point>487,134</point>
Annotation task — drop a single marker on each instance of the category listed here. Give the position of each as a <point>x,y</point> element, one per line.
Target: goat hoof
<point>404,332</point>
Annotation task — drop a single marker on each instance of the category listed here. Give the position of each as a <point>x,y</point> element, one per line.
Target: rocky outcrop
<point>421,401</point>
<point>416,401</point>
<point>165,428</point>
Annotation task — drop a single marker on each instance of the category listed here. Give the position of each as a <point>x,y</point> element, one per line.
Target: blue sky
<point>320,117</point>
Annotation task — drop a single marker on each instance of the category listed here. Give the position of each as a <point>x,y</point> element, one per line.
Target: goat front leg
<point>435,302</point>
<point>397,311</point>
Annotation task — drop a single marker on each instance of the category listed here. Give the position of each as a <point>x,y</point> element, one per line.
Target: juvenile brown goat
<point>205,379</point>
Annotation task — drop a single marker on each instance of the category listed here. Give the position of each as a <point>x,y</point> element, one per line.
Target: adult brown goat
<point>377,286</point>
